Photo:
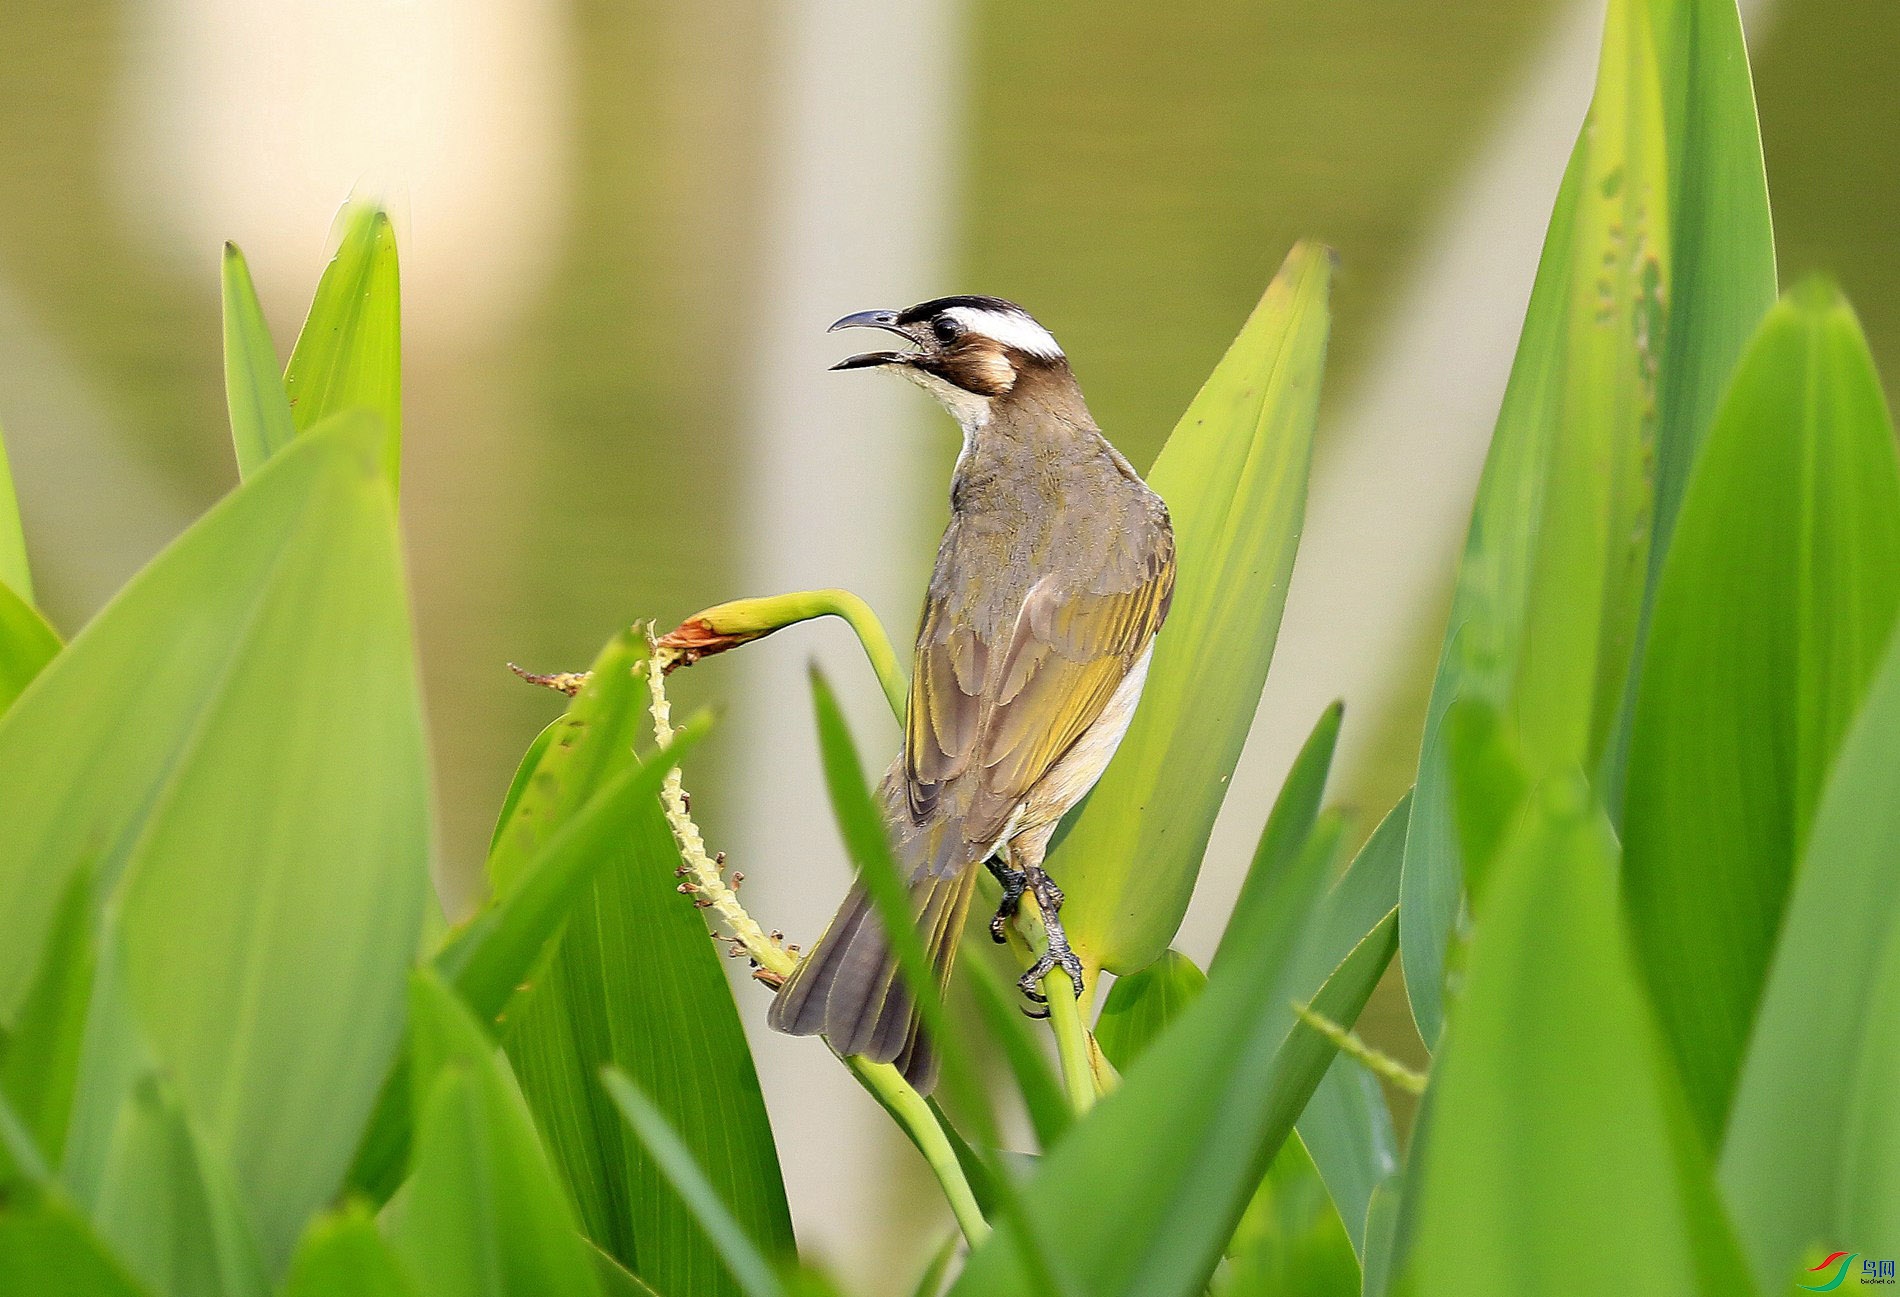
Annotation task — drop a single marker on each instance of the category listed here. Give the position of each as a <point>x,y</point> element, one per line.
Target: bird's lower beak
<point>873,320</point>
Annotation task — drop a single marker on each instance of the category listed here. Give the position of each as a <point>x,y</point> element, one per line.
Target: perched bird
<point>1051,581</point>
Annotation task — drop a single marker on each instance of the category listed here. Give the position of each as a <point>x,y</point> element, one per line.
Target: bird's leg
<point>1015,882</point>
<point>1056,954</point>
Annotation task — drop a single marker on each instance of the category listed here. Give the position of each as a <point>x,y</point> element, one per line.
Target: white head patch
<point>1010,328</point>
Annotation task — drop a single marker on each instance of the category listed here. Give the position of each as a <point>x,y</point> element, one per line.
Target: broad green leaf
<point>39,1058</point>
<point>168,1209</point>
<point>1234,478</point>
<point>748,1267</point>
<point>487,958</point>
<point>349,354</point>
<point>1142,1197</point>
<point>343,1255</point>
<point>1290,1238</point>
<point>634,981</point>
<point>1722,264</point>
<point>232,751</point>
<point>493,953</point>
<point>48,1249</point>
<point>1808,1159</point>
<point>1561,1156</point>
<point>253,383</point>
<point>1141,1005</point>
<point>1550,587</point>
<point>1773,608</point>
<point>27,644</point>
<point>14,572</point>
<point>1290,1242</point>
<point>482,1215</point>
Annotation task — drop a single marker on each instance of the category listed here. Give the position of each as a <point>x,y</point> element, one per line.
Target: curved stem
<point>728,625</point>
<point>910,1111</point>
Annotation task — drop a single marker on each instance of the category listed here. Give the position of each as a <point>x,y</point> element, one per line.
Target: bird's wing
<point>990,719</point>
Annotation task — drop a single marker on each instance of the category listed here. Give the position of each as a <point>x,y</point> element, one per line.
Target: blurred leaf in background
<point>232,755</point>
<point>261,422</point>
<point>1812,1141</point>
<point>1618,366</point>
<point>1561,1157</point>
<point>1775,604</point>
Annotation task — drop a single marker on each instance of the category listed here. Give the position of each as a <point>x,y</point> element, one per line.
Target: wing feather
<point>989,718</point>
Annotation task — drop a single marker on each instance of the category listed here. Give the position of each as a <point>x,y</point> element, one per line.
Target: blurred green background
<point>625,225</point>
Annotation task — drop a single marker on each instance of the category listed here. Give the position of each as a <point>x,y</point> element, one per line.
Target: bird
<point>1051,581</point>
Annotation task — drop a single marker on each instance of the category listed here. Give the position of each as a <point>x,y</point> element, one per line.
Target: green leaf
<point>349,355</point>
<point>15,574</point>
<point>343,1255</point>
<point>1285,1242</point>
<point>744,1262</point>
<point>495,951</point>
<point>1382,1221</point>
<point>253,386</point>
<point>1775,604</point>
<point>492,954</point>
<point>1141,1005</point>
<point>1809,1155</point>
<point>232,751</point>
<point>1234,478</point>
<point>1289,827</point>
<point>634,982</point>
<point>39,1058</point>
<point>48,1249</point>
<point>27,644</point>
<point>1722,264</point>
<point>482,1215</point>
<point>168,1209</point>
<point>1346,1126</point>
<point>615,1279</point>
<point>1551,584</point>
<point>524,772</point>
<point>1142,1196</point>
<point>1561,1156</point>
<point>1000,1004</point>
<point>1290,1242</point>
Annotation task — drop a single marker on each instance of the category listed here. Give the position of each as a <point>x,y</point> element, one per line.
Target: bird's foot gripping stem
<point>1056,954</point>
<point>1015,882</point>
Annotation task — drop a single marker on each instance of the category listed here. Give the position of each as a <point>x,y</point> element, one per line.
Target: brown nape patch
<point>979,365</point>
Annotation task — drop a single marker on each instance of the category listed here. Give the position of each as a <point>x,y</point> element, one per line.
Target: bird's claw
<point>1015,882</point>
<point>1057,953</point>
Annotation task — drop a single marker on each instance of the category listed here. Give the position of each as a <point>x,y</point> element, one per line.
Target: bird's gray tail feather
<point>849,990</point>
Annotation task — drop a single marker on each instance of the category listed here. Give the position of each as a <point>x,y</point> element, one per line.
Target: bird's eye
<point>946,329</point>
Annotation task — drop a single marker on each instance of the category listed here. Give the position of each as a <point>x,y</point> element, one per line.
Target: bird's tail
<point>848,988</point>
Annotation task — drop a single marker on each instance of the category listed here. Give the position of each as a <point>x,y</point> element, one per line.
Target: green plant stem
<point>1072,1041</point>
<point>910,1111</point>
<point>728,625</point>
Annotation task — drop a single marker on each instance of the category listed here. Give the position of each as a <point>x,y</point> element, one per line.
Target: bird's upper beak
<point>874,320</point>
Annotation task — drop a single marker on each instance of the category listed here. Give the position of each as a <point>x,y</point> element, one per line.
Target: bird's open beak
<point>872,359</point>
